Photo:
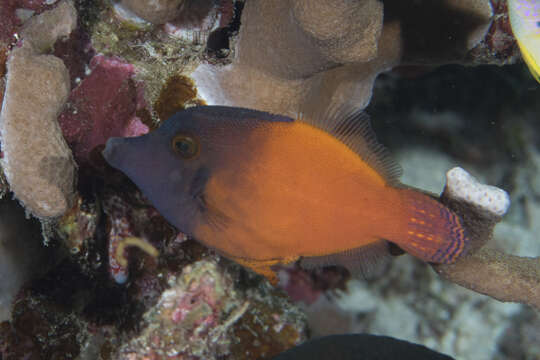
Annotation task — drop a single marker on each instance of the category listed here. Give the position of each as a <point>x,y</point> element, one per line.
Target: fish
<point>265,189</point>
<point>525,22</point>
<point>360,347</point>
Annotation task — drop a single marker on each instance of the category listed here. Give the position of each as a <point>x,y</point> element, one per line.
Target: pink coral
<point>102,106</point>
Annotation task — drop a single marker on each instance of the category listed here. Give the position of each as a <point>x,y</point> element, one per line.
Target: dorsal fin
<point>229,112</point>
<point>353,128</point>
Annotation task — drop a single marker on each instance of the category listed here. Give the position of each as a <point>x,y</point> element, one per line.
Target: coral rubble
<point>202,316</point>
<point>36,90</point>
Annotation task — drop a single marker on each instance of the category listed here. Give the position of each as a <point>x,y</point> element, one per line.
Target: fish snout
<point>113,152</point>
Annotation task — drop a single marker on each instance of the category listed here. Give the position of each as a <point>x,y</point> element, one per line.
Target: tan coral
<point>37,161</point>
<point>487,271</point>
<point>296,53</point>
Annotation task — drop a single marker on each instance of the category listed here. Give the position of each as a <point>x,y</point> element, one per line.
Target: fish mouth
<point>110,153</point>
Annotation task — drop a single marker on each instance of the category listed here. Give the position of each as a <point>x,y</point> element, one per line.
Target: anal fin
<point>364,261</point>
<point>263,267</point>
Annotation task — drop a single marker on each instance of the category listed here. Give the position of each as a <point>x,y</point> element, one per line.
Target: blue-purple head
<point>172,164</point>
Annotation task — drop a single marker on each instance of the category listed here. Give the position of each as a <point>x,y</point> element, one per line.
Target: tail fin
<point>434,232</point>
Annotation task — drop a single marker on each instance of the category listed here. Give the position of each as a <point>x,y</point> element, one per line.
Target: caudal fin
<point>434,232</point>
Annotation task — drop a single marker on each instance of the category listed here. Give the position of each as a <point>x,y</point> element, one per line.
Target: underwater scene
<point>269,179</point>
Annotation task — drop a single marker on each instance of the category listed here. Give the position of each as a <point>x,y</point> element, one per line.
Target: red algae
<point>104,105</point>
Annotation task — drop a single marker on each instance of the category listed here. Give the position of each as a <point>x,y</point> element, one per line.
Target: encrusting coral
<point>37,162</point>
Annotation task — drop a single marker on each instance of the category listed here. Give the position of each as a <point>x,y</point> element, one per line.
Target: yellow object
<point>136,242</point>
<point>525,21</point>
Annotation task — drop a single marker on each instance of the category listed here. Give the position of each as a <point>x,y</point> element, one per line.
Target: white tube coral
<point>487,271</point>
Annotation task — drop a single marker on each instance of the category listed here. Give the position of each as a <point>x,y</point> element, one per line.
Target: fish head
<point>168,165</point>
<point>172,164</point>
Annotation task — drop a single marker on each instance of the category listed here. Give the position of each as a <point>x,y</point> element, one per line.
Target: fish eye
<point>186,146</point>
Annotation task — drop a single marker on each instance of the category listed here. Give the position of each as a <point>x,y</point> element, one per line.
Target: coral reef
<point>202,316</point>
<point>155,59</point>
<point>287,59</point>
<point>123,232</point>
<point>433,127</point>
<point>36,159</point>
<point>488,271</point>
<point>189,19</point>
<point>424,307</point>
<point>104,296</point>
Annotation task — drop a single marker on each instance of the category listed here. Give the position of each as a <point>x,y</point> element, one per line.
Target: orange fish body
<point>312,188</point>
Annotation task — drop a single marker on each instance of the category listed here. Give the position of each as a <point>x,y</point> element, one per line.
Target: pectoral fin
<point>213,216</point>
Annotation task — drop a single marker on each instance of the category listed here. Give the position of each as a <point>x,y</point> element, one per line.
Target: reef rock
<point>36,90</point>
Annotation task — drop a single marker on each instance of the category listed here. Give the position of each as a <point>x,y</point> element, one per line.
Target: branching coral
<point>296,53</point>
<point>488,271</point>
<point>36,90</point>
